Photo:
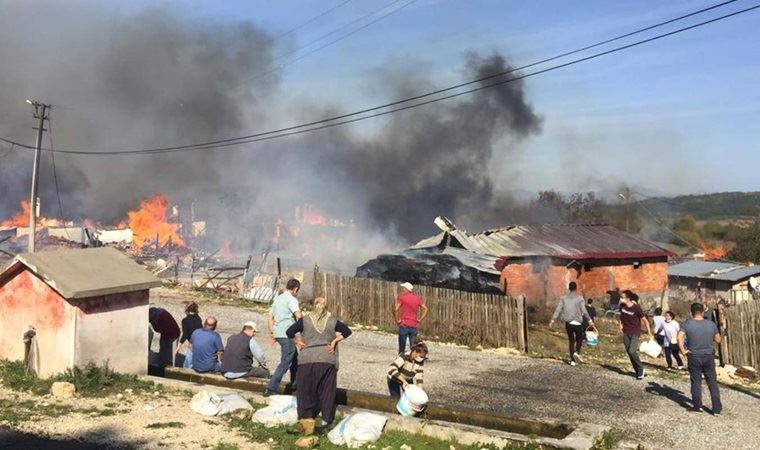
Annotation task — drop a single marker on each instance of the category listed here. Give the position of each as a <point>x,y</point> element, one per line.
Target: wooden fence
<point>742,334</point>
<point>466,318</point>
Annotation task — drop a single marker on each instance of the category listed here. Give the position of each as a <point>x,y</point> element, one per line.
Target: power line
<point>328,44</point>
<point>55,172</point>
<point>309,21</point>
<point>325,123</point>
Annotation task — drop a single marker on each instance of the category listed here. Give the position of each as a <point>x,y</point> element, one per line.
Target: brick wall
<point>543,280</point>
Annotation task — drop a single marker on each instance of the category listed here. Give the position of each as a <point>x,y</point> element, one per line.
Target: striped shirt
<point>406,367</point>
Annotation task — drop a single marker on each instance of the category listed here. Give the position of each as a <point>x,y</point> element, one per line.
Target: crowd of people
<point>308,345</point>
<point>693,339</point>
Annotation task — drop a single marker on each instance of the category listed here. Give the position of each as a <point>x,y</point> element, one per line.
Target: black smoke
<point>160,77</point>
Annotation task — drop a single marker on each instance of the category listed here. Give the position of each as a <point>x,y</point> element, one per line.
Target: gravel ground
<point>651,412</point>
<point>125,429</point>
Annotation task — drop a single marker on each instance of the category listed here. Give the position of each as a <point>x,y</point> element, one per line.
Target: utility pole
<point>42,113</point>
<point>626,195</point>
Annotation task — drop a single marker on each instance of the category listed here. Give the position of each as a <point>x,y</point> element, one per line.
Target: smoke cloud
<point>160,78</point>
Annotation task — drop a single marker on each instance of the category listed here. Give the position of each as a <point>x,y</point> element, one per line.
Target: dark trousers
<point>671,351</point>
<point>703,365</point>
<point>405,333</point>
<point>394,387</point>
<point>575,337</point>
<point>631,343</point>
<point>317,383</point>
<point>288,361</point>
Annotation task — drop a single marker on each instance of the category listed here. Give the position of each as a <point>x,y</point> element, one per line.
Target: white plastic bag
<point>281,411</point>
<point>651,348</point>
<point>233,402</point>
<point>358,429</point>
<point>206,403</point>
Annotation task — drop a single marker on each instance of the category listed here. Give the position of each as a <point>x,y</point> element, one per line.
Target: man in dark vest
<point>317,342</point>
<point>243,356</point>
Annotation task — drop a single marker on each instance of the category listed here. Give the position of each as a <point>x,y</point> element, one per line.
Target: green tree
<point>748,246</point>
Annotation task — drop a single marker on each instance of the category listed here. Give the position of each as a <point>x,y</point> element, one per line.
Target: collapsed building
<point>536,261</point>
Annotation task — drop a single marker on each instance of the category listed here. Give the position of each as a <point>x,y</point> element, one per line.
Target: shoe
<point>716,413</point>
<point>572,363</point>
<point>640,376</point>
<point>268,393</point>
<point>577,358</point>
<point>697,410</point>
<point>668,369</point>
<point>680,367</point>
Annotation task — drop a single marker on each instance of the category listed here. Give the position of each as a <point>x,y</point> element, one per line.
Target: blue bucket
<point>592,338</point>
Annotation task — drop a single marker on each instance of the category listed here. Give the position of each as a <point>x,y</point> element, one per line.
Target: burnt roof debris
<point>557,241</point>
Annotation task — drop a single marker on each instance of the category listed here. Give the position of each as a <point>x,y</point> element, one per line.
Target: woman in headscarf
<point>316,336</point>
<point>190,323</point>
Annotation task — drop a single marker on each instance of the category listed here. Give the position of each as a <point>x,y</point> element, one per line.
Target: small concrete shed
<point>86,305</point>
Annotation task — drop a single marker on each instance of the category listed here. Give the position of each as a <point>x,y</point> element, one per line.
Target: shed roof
<point>558,241</point>
<point>81,273</point>
<point>713,270</point>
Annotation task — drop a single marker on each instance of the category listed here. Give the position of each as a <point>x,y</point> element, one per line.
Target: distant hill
<point>707,206</point>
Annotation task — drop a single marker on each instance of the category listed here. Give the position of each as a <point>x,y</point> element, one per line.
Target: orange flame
<point>311,216</point>
<point>149,222</point>
<point>713,253</point>
<point>226,250</point>
<point>20,219</point>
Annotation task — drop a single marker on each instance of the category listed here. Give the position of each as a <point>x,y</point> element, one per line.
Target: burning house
<point>537,261</point>
<point>67,308</point>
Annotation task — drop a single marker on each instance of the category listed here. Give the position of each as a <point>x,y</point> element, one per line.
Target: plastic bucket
<point>592,338</point>
<point>412,401</point>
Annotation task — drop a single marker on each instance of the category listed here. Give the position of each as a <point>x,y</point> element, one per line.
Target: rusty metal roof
<point>558,241</point>
<point>83,273</point>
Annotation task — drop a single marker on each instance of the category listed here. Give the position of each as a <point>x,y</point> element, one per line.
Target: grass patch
<point>606,440</point>
<point>283,438</point>
<point>91,381</point>
<point>226,446</point>
<point>159,425</point>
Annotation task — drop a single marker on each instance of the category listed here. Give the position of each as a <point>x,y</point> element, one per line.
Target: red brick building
<point>538,261</point>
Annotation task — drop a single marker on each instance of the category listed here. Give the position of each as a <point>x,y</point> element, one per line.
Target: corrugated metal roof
<point>82,273</point>
<point>559,241</point>
<point>713,270</point>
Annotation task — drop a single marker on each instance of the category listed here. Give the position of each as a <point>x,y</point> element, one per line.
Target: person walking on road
<point>572,309</point>
<point>406,313</point>
<point>284,313</point>
<point>700,334</point>
<point>669,329</point>
<point>631,319</point>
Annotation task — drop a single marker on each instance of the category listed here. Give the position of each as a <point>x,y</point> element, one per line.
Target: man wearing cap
<point>407,308</point>
<point>241,352</point>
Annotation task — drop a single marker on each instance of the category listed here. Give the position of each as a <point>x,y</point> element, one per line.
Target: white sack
<point>357,430</point>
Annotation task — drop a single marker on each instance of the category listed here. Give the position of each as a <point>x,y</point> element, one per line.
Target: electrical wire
<point>312,126</point>
<point>328,44</point>
<point>309,21</point>
<point>55,177</point>
<point>10,150</point>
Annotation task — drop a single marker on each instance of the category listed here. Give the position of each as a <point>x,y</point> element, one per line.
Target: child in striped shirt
<point>407,369</point>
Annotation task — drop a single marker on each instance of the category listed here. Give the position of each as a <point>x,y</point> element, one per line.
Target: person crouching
<point>317,342</point>
<point>406,369</point>
<point>243,356</point>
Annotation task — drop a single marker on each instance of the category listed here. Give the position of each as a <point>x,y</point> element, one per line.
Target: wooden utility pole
<point>41,112</point>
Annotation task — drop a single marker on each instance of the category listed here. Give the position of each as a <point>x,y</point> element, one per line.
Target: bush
<point>15,376</point>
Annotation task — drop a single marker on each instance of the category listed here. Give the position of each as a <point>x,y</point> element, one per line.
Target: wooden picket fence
<point>467,318</point>
<point>742,334</point>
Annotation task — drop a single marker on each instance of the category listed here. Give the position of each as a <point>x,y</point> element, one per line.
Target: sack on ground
<point>357,430</point>
<point>281,411</point>
<point>206,403</point>
<point>232,403</point>
<point>651,348</point>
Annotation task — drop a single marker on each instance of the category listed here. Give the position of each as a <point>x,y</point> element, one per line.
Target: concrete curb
<point>581,438</point>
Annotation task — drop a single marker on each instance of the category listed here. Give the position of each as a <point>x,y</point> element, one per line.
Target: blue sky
<point>678,115</point>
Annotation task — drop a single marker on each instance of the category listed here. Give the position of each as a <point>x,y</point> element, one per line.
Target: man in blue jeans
<point>407,309</point>
<point>284,313</point>
<point>700,334</point>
